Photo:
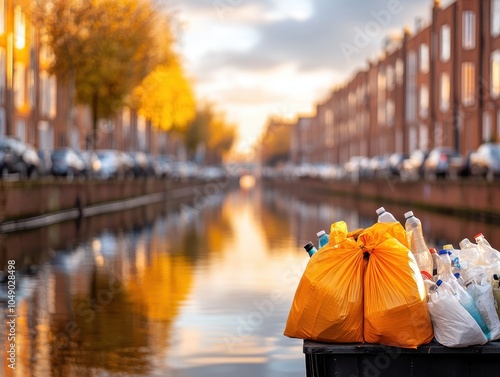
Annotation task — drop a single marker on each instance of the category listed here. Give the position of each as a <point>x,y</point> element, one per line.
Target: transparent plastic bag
<point>453,325</point>
<point>482,294</point>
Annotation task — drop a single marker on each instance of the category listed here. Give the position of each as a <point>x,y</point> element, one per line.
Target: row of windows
<point>468,36</point>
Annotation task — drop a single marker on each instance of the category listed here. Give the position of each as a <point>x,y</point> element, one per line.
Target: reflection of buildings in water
<point>306,218</point>
<point>106,304</point>
<point>309,215</point>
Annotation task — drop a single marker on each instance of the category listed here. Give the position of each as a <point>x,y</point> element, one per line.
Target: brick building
<point>34,104</point>
<point>439,86</point>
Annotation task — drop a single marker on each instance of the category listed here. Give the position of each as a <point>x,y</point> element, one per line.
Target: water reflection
<point>171,291</point>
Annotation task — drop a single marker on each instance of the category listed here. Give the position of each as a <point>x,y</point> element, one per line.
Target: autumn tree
<point>102,48</point>
<point>210,130</point>
<point>165,97</point>
<point>275,141</point>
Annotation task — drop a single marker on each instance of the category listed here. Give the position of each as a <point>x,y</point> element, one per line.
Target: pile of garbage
<point>384,285</point>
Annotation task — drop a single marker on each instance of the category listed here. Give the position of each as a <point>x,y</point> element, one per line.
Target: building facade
<point>438,86</point>
<point>35,107</point>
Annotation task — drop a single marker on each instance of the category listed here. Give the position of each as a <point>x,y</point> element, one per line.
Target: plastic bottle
<point>322,238</point>
<point>465,299</point>
<point>435,261</point>
<point>469,255</point>
<point>488,253</point>
<point>384,216</point>
<point>444,267</point>
<point>417,243</point>
<point>310,248</point>
<point>430,287</point>
<point>460,279</point>
<point>455,260</point>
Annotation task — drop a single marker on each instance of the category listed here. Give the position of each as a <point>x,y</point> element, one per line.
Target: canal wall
<point>473,198</point>
<point>30,204</point>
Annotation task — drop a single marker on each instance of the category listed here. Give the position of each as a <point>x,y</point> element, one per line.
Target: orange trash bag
<point>395,303</point>
<point>328,303</point>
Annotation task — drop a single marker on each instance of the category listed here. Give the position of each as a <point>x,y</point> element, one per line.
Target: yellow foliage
<point>221,134</point>
<point>166,98</point>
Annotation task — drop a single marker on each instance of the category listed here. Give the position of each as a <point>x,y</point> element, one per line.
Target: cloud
<point>262,57</point>
<point>316,42</point>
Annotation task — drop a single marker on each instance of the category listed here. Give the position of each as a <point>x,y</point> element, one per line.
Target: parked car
<point>485,161</point>
<point>18,157</point>
<point>92,163</point>
<point>438,162</point>
<point>413,167</point>
<point>460,166</point>
<point>127,163</point>
<point>395,163</point>
<point>356,167</point>
<point>209,173</point>
<point>139,164</point>
<point>379,165</point>
<point>164,165</point>
<point>66,162</point>
<point>111,164</point>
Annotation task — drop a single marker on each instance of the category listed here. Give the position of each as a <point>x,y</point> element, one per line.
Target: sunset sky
<point>258,58</point>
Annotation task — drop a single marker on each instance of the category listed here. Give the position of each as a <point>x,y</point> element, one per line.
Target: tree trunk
<point>95,102</point>
<point>69,110</point>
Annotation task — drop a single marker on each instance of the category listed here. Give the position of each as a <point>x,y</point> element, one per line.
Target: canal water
<point>183,290</point>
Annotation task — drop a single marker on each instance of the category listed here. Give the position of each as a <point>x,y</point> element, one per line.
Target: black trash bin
<point>372,360</point>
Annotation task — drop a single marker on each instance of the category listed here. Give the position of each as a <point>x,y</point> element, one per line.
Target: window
<point>468,86</point>
<point>495,73</point>
<point>445,43</point>
<point>400,70</point>
<point>19,28</point>
<point>411,86</point>
<point>381,95</point>
<point>444,92</point>
<point>423,137</point>
<point>390,111</point>
<point>495,18</point>
<point>469,30</point>
<point>424,58</point>
<point>498,124</point>
<point>19,85</point>
<point>487,131</point>
<point>3,79</point>
<point>21,130</point>
<point>424,102</point>
<point>2,16</point>
<point>3,130</point>
<point>47,95</point>
<point>45,135</point>
<point>31,88</point>
<point>390,77</point>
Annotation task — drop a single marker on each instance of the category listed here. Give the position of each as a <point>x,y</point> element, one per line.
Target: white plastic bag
<point>453,325</point>
<point>482,295</point>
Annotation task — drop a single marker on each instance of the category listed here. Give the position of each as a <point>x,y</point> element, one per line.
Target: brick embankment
<point>474,198</point>
<point>29,204</point>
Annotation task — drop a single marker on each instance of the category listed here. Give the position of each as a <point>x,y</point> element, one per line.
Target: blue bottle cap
<point>457,275</point>
<point>443,252</point>
<point>439,282</point>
